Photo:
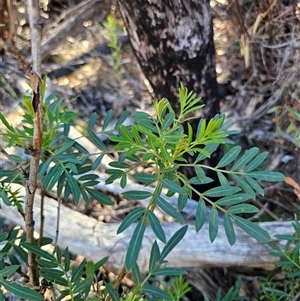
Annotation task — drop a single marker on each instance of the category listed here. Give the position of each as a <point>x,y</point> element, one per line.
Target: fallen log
<point>94,240</point>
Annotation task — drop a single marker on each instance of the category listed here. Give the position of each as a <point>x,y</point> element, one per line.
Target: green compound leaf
<point>173,241</point>
<point>213,224</point>
<point>135,244</point>
<point>229,157</point>
<point>200,215</point>
<point>247,157</point>
<point>137,194</point>
<point>156,292</point>
<point>233,199</point>
<point>130,219</point>
<point>169,209</point>
<point>221,191</point>
<point>229,230</point>
<point>156,227</point>
<point>242,208</point>
<point>252,229</point>
<point>21,291</point>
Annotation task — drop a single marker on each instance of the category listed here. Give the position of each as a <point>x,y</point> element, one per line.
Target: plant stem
<point>35,149</point>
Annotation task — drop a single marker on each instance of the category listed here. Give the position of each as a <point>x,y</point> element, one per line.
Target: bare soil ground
<point>80,69</point>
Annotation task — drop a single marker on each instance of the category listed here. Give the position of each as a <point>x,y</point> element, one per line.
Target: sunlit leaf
<point>229,156</point>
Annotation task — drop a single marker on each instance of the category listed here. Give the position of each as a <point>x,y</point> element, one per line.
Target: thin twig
<point>16,164</point>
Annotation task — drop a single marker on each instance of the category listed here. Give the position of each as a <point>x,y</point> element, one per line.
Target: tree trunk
<point>173,42</point>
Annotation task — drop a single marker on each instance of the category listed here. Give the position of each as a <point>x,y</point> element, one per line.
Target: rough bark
<point>173,42</point>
